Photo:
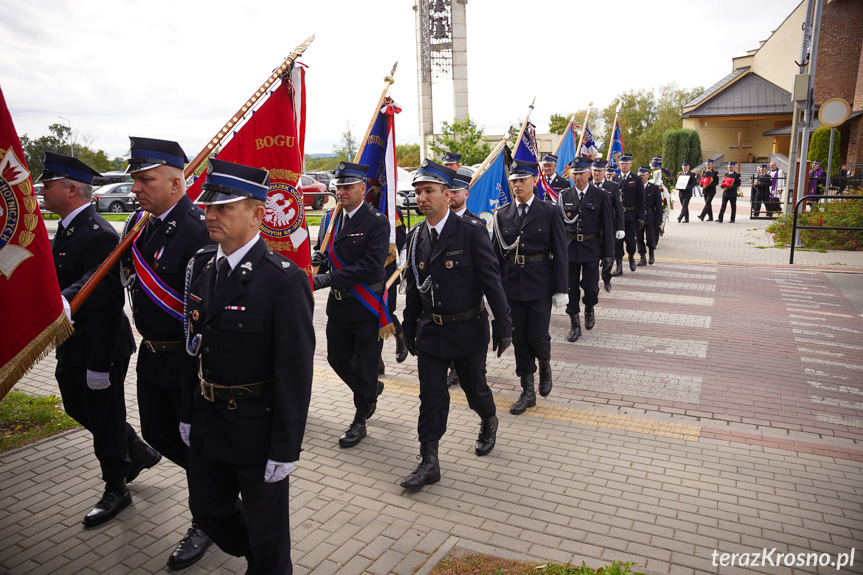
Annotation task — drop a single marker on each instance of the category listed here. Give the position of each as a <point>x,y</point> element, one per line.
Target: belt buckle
<point>209,397</point>
<point>579,237</point>
<point>149,345</point>
<point>519,259</point>
<point>438,319</point>
<point>337,294</point>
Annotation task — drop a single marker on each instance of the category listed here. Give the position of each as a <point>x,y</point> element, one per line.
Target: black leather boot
<point>631,261</point>
<point>641,260</point>
<point>374,405</point>
<point>545,382</point>
<point>143,457</point>
<point>401,348</point>
<point>452,377</point>
<point>575,328</point>
<point>589,317</point>
<point>354,433</point>
<point>527,397</point>
<point>618,267</point>
<point>428,471</point>
<point>190,549</point>
<point>650,259</point>
<point>487,436</point>
<point>382,369</point>
<point>115,499</point>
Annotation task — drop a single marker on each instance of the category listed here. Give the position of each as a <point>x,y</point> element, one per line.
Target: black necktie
<point>222,276</point>
<point>522,208</point>
<point>60,229</point>
<point>152,225</point>
<point>433,236</point>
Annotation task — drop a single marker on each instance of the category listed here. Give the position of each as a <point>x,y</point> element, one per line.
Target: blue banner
<point>491,190</point>
<point>375,158</point>
<point>616,148</point>
<point>566,150</point>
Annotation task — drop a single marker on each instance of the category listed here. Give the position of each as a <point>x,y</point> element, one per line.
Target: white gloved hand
<point>403,257</point>
<point>559,300</point>
<point>67,310</point>
<point>98,379</point>
<point>185,428</point>
<point>619,235</point>
<point>277,471</point>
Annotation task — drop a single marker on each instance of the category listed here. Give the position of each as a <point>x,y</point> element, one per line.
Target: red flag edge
<point>52,336</point>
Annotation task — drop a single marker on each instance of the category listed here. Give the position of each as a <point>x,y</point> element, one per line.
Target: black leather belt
<point>522,259</point>
<point>582,237</point>
<point>161,346</point>
<point>630,208</point>
<point>463,316</point>
<point>341,294</point>
<point>213,391</point>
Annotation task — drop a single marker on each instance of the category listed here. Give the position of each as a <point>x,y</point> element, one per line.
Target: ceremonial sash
<point>376,305</point>
<point>161,294</point>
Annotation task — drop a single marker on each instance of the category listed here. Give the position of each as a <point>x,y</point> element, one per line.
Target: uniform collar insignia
<point>247,265</point>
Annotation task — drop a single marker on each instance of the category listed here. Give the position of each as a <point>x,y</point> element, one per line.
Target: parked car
<point>322,177</point>
<point>39,199</point>
<point>115,198</point>
<point>307,186</point>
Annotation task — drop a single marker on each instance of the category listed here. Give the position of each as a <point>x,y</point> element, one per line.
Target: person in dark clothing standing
<point>685,181</point>
<point>652,217</point>
<point>632,198</point>
<point>730,184</point>
<point>92,363</point>
<point>451,266</point>
<point>708,180</point>
<point>602,178</point>
<point>531,248</point>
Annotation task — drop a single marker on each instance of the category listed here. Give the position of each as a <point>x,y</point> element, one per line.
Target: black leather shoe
<point>354,433</point>
<point>731,221</point>
<point>382,369</point>
<point>427,472</point>
<point>527,397</point>
<point>111,503</point>
<point>607,285</point>
<point>650,259</point>
<point>618,267</point>
<point>701,217</point>
<point>487,436</point>
<point>631,261</point>
<point>575,328</point>
<point>641,261</point>
<point>143,457</point>
<point>452,378</point>
<point>545,382</point>
<point>401,347</point>
<point>718,220</point>
<point>190,549</point>
<point>589,317</point>
<point>374,405</point>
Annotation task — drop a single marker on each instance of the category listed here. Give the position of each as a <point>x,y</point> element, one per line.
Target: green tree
<point>119,164</point>
<point>321,164</point>
<point>557,123</point>
<point>462,137</point>
<point>408,155</point>
<point>59,141</point>
<point>819,148</point>
<point>347,147</point>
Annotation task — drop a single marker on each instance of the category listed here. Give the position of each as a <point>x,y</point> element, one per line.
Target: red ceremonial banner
<point>30,305</point>
<point>269,141</point>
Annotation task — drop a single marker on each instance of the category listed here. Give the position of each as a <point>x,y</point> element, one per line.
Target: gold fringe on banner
<point>387,331</point>
<point>52,336</point>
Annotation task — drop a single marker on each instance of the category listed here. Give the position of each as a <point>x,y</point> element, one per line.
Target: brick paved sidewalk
<point>714,407</point>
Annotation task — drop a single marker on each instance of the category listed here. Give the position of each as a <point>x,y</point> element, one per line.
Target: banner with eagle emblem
<point>272,139</point>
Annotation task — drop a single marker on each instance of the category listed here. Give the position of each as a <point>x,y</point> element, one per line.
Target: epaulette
<point>208,249</point>
<point>474,221</point>
<point>280,262</point>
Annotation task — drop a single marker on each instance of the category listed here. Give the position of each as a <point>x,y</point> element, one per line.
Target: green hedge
<point>835,213</point>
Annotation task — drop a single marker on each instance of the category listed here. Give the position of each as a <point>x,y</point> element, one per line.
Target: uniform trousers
<point>684,204</point>
<point>434,393</point>
<point>629,229</point>
<point>707,212</point>
<point>647,238</point>
<point>257,527</point>
<point>159,402</point>
<point>584,275</point>
<point>733,201</point>
<point>530,338</point>
<point>763,195</point>
<point>103,413</point>
<point>354,351</point>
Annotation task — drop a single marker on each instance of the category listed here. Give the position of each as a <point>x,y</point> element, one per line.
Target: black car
<point>115,198</point>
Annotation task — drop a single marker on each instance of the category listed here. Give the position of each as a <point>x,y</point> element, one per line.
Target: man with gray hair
<point>92,363</point>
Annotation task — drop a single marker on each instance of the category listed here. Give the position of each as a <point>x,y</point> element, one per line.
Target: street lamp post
<point>70,135</point>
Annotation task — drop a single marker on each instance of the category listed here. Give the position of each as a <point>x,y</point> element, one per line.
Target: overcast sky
<point>179,69</point>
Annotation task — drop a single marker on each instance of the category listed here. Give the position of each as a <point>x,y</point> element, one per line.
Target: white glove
<point>277,471</point>
<point>403,257</point>
<point>185,428</point>
<point>98,379</point>
<point>619,235</point>
<point>559,300</point>
<point>67,310</point>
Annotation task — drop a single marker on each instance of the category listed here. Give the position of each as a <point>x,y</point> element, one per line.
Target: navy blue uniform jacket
<point>541,233</point>
<point>594,217</point>
<point>614,191</point>
<point>631,195</point>
<point>102,332</point>
<point>463,267</point>
<point>653,201</point>
<point>258,327</point>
